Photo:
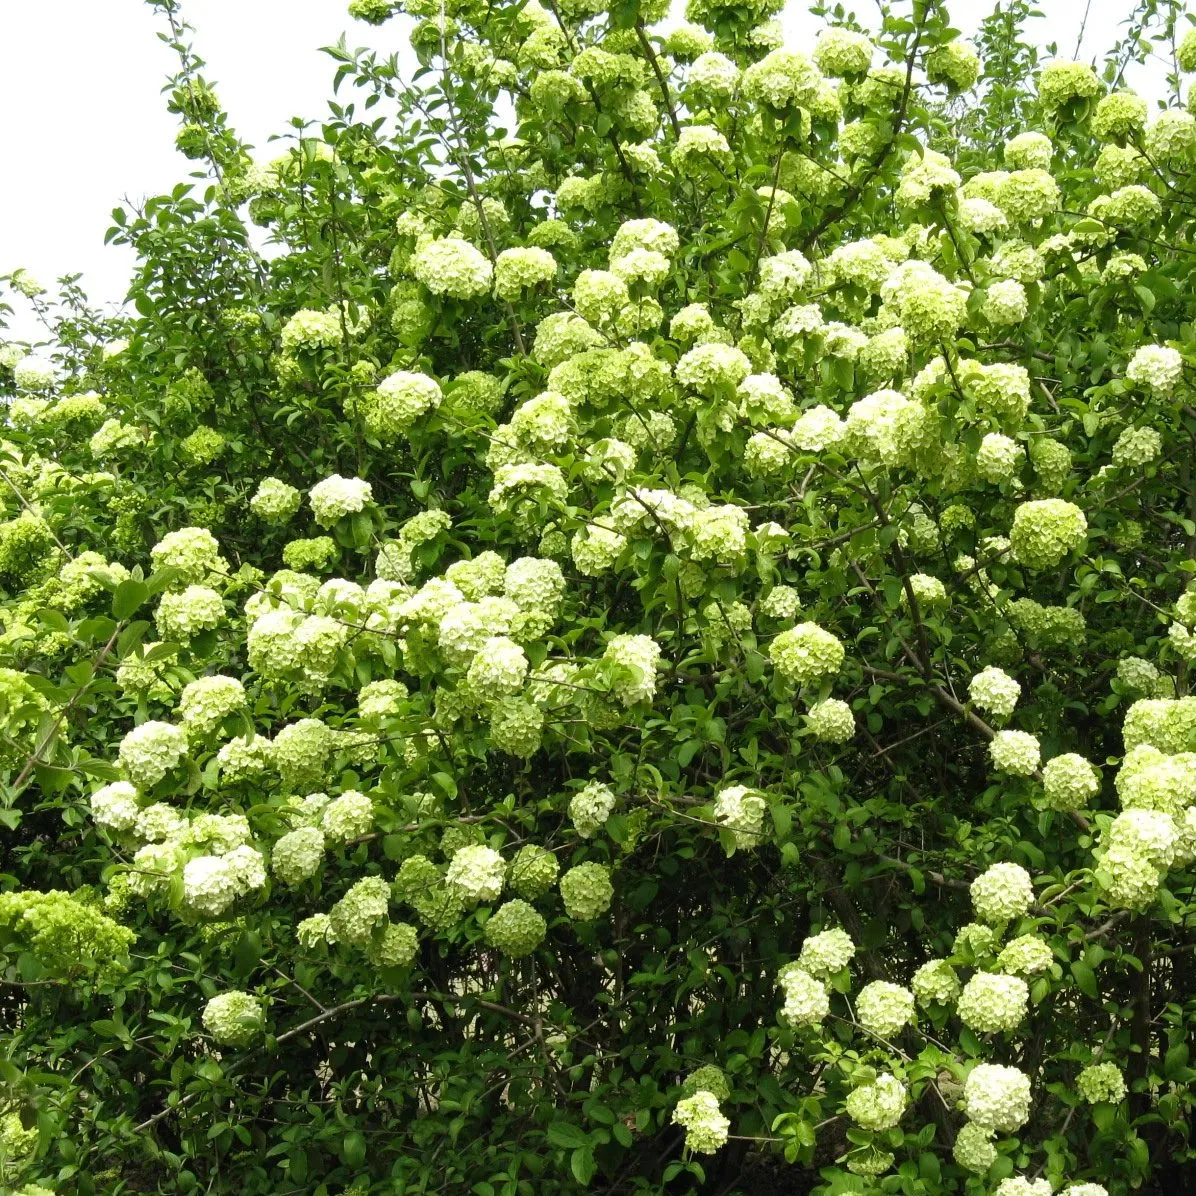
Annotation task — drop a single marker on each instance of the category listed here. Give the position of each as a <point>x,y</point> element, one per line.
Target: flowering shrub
<point>644,645</point>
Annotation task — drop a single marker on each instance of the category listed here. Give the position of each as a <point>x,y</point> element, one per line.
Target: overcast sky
<point>85,124</point>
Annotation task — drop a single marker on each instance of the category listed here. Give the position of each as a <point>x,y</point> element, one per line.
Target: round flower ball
<point>935,982</point>
<point>807,1000</point>
<point>1070,782</point>
<point>991,1002</point>
<point>337,496</point>
<point>995,692</point>
<point>533,871</point>
<point>706,1128</point>
<point>234,1018</point>
<point>274,501</point>
<point>996,1097</point>
<point>878,1106</point>
<point>297,856</point>
<point>824,954</point>
<point>806,654</point>
<point>586,891</point>
<point>1101,1083</point>
<point>974,1149</point>
<point>148,752</point>
<point>884,1008</point>
<point>1001,893</point>
<point>1015,752</point>
<point>1156,368</point>
<point>516,929</point>
<point>453,267</point>
<point>477,873</point>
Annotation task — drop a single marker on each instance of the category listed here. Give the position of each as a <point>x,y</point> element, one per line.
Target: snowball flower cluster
<point>995,692</point>
<point>397,402</point>
<point>831,721</point>
<point>991,1002</point>
<point>1002,892</point>
<point>348,816</point>
<point>877,1106</point>
<point>586,891</point>
<point>1045,530</point>
<point>115,806</point>
<point>298,854</point>
<point>1069,782</point>
<point>806,654</point>
<point>1026,955</point>
<point>1015,752</point>
<point>935,982</point>
<point>1060,82</point>
<point>824,954</point>
<point>741,810</point>
<point>275,501</point>
<point>234,1018</point>
<point>193,551</point>
<point>636,658</point>
<point>996,1097</point>
<point>150,751</point>
<point>337,496</point>
<point>1101,1083</point>
<point>974,1149</point>
<point>806,999</point>
<point>181,616</point>
<point>590,808</point>
<point>1158,368</point>
<point>884,1008</point>
<point>515,929</point>
<point>706,1128</point>
<point>452,267</point>
<point>477,873</point>
<point>517,270</point>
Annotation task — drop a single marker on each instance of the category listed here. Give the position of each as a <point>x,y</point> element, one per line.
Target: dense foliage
<point>617,619</point>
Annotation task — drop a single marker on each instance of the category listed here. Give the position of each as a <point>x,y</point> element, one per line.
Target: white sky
<point>84,121</point>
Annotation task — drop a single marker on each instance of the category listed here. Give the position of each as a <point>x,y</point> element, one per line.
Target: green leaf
<point>567,1136</point>
<point>581,1163</point>
<point>129,595</point>
<point>1085,979</point>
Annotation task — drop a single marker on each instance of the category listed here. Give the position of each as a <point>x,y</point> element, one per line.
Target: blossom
<point>234,1018</point>
<point>150,751</point>
<point>806,654</point>
<point>741,811</point>
<point>1157,368</point>
<point>337,496</point>
<point>878,1106</point>
<point>824,954</point>
<point>1101,1082</point>
<point>884,1008</point>
<point>452,267</point>
<point>516,929</point>
<point>706,1128</point>
<point>1002,892</point>
<point>991,1001</point>
<point>586,891</point>
<point>996,1097</point>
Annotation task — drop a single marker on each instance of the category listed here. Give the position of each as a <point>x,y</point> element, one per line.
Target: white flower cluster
<point>995,692</point>
<point>884,1009</point>
<point>590,808</point>
<point>453,267</point>
<point>1001,893</point>
<point>741,810</point>
<point>706,1128</point>
<point>337,496</point>
<point>1015,752</point>
<point>275,501</point>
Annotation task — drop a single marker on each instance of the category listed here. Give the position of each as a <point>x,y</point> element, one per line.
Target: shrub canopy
<point>618,619</point>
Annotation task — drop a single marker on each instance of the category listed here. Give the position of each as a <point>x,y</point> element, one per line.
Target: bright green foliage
<point>644,646</point>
